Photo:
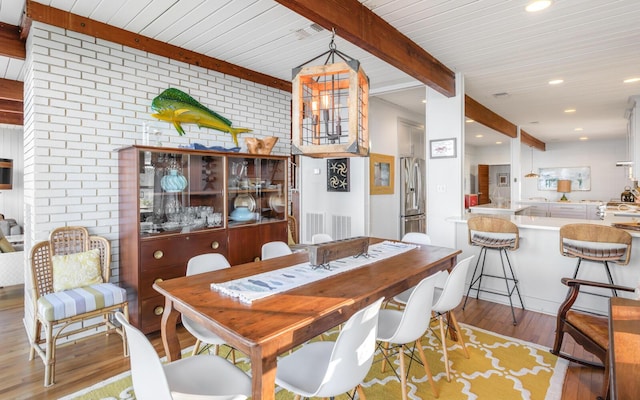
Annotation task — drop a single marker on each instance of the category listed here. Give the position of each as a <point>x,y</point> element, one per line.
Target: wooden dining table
<point>269,327</point>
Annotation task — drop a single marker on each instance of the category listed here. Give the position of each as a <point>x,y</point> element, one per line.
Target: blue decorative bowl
<point>241,214</point>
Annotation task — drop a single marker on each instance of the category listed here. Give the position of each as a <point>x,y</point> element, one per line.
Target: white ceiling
<point>499,48</point>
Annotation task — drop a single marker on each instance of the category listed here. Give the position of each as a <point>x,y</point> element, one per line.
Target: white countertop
<point>507,207</point>
<point>549,223</point>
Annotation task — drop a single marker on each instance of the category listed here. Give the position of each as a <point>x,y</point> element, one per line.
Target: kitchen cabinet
<point>537,209</point>
<point>178,203</point>
<point>564,210</point>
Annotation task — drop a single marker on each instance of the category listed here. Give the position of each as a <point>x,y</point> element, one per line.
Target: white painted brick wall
<point>86,97</point>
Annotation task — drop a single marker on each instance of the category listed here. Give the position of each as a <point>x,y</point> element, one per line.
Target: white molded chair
<point>416,238</point>
<point>197,377</point>
<point>327,369</point>
<point>401,327</point>
<point>197,265</point>
<point>447,296</point>
<point>275,249</point>
<point>321,238</point>
<point>446,301</point>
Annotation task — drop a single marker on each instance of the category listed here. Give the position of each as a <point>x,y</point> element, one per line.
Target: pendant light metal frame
<point>330,107</point>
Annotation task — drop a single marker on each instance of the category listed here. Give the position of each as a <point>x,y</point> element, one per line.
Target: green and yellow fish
<point>175,106</point>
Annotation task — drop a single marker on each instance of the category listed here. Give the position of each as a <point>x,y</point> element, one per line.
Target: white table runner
<point>256,287</point>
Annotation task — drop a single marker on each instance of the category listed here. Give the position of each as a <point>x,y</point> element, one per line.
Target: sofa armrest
<point>12,267</point>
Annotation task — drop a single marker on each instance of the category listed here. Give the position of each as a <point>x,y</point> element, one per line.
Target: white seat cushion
<point>68,303</point>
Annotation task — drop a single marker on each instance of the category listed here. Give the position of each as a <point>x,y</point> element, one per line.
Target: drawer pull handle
<point>158,310</point>
<point>215,245</point>
<point>158,254</point>
<point>158,280</point>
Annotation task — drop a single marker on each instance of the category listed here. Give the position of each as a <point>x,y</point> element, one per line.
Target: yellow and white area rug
<point>499,368</point>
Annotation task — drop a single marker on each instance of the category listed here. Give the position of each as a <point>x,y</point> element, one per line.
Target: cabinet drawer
<point>151,313</point>
<point>149,277</point>
<point>177,250</point>
<point>568,210</point>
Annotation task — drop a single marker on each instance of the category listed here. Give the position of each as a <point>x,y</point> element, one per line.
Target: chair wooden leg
<point>35,338</point>
<point>125,311</point>
<point>403,374</point>
<point>443,335</point>
<point>50,357</point>
<point>454,321</point>
<point>360,392</point>
<point>385,353</point>
<point>196,347</point>
<point>427,369</point>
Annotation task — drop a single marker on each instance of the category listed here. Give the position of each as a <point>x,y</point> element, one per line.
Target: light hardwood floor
<point>99,358</point>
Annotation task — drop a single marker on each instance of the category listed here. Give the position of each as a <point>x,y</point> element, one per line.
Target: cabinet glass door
<point>257,190</point>
<point>180,192</point>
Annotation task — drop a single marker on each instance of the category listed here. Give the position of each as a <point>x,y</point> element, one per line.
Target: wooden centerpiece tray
<point>632,226</point>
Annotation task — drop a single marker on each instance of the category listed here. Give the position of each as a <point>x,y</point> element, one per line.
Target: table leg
<point>263,372</point>
<point>168,329</point>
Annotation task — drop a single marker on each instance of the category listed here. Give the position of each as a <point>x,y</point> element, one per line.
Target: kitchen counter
<point>507,209</point>
<point>539,266</point>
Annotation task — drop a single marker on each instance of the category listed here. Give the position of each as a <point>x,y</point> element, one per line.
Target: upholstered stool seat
<point>492,233</point>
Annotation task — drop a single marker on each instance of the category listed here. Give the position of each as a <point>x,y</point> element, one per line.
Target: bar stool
<point>596,243</point>
<point>491,233</point>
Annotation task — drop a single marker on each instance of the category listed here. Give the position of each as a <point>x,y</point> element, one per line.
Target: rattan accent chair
<point>292,225</point>
<point>74,313</point>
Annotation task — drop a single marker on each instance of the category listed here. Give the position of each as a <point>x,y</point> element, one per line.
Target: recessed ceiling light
<point>570,110</point>
<point>631,80</point>
<point>537,5</point>
<point>424,101</point>
<point>469,120</point>
<point>578,129</point>
<point>583,138</point>
<point>556,81</point>
<point>498,142</point>
<point>479,135</point>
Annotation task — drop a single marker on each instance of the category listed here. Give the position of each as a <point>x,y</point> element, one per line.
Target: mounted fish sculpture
<point>175,106</point>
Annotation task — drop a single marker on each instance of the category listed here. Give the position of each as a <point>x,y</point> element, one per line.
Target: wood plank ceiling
<point>592,44</point>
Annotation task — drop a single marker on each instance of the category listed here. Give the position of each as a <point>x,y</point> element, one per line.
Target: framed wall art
<point>503,179</point>
<point>338,175</point>
<point>442,148</point>
<point>381,173</point>
<point>580,178</point>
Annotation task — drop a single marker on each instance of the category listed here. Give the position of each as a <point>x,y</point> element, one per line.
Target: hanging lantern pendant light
<point>330,106</point>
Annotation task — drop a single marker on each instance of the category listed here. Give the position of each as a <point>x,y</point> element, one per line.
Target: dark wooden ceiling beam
<point>11,105</point>
<point>10,43</point>
<point>362,27</point>
<point>62,19</point>
<point>11,90</point>
<point>481,114</point>
<point>526,138</point>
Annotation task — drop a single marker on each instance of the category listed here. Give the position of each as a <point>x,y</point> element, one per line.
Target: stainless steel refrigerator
<point>412,195</point>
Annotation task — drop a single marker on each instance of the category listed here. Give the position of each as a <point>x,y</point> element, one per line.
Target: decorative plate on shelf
<point>276,202</point>
<point>245,200</point>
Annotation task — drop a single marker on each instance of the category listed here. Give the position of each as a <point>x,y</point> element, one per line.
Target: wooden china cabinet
<point>178,203</point>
